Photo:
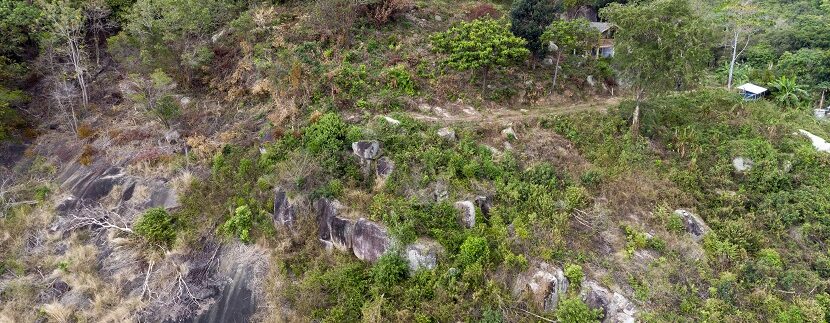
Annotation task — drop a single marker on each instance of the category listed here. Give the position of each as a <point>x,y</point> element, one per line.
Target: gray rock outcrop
<point>366,149</point>
<point>369,240</point>
<point>484,203</point>
<point>468,213</point>
<point>544,283</point>
<point>447,133</point>
<point>384,167</point>
<point>285,213</point>
<point>742,164</point>
<point>334,232</point>
<point>615,307</point>
<point>423,254</point>
<point>693,223</point>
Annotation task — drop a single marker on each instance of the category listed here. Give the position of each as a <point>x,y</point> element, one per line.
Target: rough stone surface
<point>447,133</point>
<point>590,80</point>
<point>468,213</point>
<point>484,202</point>
<point>385,167</point>
<point>90,183</point>
<point>439,191</point>
<point>423,254</point>
<point>694,224</point>
<point>509,133</point>
<point>819,143</point>
<point>333,231</point>
<point>366,149</point>
<point>545,284</point>
<point>284,212</point>
<point>742,164</point>
<point>369,240</point>
<point>392,121</point>
<point>615,306</point>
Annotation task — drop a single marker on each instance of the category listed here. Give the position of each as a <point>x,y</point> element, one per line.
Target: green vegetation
<point>157,226</point>
<point>575,310</point>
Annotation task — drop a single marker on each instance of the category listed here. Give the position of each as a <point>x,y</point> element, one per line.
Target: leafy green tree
<point>568,36</point>
<point>529,18</point>
<point>481,44</point>
<point>574,310</point>
<point>661,45</point>
<point>810,65</point>
<point>18,25</point>
<point>157,226</point>
<point>787,91</point>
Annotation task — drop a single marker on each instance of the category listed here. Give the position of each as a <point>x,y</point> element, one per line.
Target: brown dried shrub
<point>87,155</point>
<point>381,12</point>
<point>483,10</point>
<point>85,131</point>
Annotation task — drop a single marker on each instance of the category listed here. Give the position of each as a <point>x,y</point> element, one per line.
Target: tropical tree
<point>529,18</point>
<point>661,46</point>
<point>742,20</point>
<point>480,45</point>
<point>787,91</point>
<point>567,36</point>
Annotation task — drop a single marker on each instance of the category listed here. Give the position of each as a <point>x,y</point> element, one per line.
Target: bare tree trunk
<point>556,69</point>
<point>733,59</point>
<point>635,118</point>
<point>821,101</point>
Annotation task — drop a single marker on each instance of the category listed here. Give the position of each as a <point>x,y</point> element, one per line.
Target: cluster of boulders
<point>369,156</point>
<point>546,284</point>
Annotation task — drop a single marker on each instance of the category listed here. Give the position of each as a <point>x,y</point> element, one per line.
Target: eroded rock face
<point>694,224</point>
<point>616,308</point>
<point>284,212</point>
<point>423,254</point>
<point>369,240</point>
<point>468,213</point>
<point>333,231</point>
<point>545,283</point>
<point>90,183</point>
<point>366,149</point>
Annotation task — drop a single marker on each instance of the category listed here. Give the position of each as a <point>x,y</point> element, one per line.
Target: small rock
<point>366,149</point>
<point>438,18</point>
<point>484,203</point>
<point>392,121</point>
<point>468,213</point>
<point>742,164</point>
<point>447,133</point>
<point>509,133</point>
<point>545,283</point>
<point>172,137</point>
<point>693,223</point>
<point>385,167</point>
<point>590,80</point>
<point>548,61</point>
<point>184,101</point>
<point>615,306</point>
<point>439,192</point>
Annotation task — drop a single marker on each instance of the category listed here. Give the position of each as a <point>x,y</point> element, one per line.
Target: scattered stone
<point>172,137</point>
<point>545,283</point>
<point>440,192</point>
<point>742,164</point>
<point>392,121</point>
<point>438,18</point>
<point>385,167</point>
<point>285,213</point>
<point>693,223</point>
<point>369,240</point>
<point>184,101</point>
<point>616,308</point>
<point>468,213</point>
<point>366,149</point>
<point>590,80</point>
<point>548,61</point>
<point>423,254</point>
<point>819,143</point>
<point>447,133</point>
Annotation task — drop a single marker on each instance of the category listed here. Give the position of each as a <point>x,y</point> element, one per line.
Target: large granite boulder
<point>615,307</point>
<point>369,240</point>
<point>285,213</point>
<point>334,232</point>
<point>544,283</point>
<point>423,254</point>
<point>366,149</point>
<point>90,183</point>
<point>468,213</point>
<point>693,223</point>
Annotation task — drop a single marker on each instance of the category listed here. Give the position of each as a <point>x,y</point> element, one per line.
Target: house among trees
<point>605,45</point>
<point>751,91</point>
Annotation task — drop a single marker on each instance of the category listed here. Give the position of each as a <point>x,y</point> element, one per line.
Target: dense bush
<point>239,224</point>
<point>157,226</point>
<point>576,311</point>
<point>529,18</point>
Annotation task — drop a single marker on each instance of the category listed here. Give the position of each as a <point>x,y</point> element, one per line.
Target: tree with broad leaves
<point>568,36</point>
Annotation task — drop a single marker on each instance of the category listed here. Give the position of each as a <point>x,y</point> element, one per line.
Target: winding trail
<point>463,114</point>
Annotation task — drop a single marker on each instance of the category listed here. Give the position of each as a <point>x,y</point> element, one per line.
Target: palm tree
<point>787,92</point>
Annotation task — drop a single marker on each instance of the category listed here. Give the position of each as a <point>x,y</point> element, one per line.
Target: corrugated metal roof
<point>752,88</point>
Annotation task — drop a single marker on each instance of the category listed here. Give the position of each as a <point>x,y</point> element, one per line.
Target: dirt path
<point>461,114</point>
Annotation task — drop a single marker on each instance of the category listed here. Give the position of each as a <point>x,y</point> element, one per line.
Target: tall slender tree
<point>661,46</point>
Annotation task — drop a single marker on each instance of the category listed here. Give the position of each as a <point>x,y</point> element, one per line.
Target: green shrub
<point>574,274</point>
<point>399,79</point>
<point>473,250</point>
<point>157,226</point>
<point>390,270</point>
<point>239,224</point>
<point>574,310</point>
